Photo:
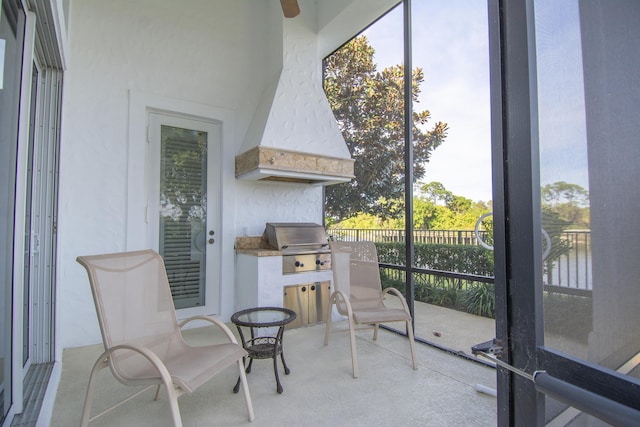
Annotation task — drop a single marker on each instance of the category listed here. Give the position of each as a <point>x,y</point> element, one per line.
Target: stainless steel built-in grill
<point>304,246</point>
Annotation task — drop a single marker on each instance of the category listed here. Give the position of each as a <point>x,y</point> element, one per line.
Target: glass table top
<point>263,316</point>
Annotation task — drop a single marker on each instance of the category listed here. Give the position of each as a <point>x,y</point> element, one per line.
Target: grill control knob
<point>299,264</point>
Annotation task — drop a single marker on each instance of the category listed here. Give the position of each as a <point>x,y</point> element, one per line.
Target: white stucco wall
<point>215,55</point>
<point>200,52</point>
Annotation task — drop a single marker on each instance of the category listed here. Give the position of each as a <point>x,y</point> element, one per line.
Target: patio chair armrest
<point>333,300</point>
<point>398,294</point>
<point>215,321</point>
<point>145,352</point>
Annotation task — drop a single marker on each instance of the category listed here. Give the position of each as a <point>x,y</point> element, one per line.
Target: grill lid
<point>296,236</point>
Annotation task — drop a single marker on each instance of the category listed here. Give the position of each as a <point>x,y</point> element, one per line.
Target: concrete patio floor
<point>320,391</point>
<point>456,330</point>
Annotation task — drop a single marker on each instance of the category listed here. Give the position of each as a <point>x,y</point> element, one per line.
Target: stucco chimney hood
<point>293,135</point>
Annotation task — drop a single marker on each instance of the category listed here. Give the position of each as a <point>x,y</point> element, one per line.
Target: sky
<point>450,43</point>
<point>561,104</point>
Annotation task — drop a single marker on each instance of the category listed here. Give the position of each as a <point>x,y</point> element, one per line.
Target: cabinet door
<point>308,300</point>
<point>297,299</point>
<point>318,301</point>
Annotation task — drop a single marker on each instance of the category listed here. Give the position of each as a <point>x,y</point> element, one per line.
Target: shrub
<point>479,300</point>
<point>444,297</point>
<point>457,258</point>
<point>463,294</point>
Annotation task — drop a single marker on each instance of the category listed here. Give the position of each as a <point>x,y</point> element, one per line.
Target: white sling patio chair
<point>358,294</point>
<point>142,339</point>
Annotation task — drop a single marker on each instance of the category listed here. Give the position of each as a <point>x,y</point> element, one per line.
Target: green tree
<point>429,213</point>
<point>424,211</point>
<point>460,204</point>
<point>436,192</point>
<point>569,201</point>
<point>563,192</point>
<point>363,221</point>
<point>436,208</point>
<point>369,107</point>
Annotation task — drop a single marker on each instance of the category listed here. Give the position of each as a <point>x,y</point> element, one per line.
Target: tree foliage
<point>434,208</point>
<point>369,107</point>
<point>569,201</point>
<point>564,206</point>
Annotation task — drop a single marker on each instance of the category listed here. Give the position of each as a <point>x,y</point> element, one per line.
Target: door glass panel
<point>11,46</point>
<point>588,108</point>
<point>564,180</point>
<point>183,212</point>
<point>453,189</point>
<point>364,83</point>
<point>453,273</point>
<point>28,237</point>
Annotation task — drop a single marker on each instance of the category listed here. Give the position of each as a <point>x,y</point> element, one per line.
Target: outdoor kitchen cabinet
<point>308,300</point>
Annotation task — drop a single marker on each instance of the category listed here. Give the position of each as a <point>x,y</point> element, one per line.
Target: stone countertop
<point>259,252</point>
<point>254,246</point>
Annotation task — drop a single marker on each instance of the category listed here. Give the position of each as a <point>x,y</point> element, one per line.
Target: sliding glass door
<point>12,20</point>
<point>566,157</point>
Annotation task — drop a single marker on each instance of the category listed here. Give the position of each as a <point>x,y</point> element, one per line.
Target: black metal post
<point>516,206</point>
<point>408,157</point>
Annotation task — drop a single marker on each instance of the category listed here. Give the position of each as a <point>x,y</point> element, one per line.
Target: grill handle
<point>322,245</point>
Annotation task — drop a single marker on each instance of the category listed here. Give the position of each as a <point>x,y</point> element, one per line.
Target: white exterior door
<point>184,208</point>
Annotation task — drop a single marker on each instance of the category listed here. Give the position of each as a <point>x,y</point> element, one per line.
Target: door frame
<point>47,113</point>
<point>137,234</point>
<point>17,385</point>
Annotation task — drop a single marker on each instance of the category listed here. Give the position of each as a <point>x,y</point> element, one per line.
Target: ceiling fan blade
<point>290,8</point>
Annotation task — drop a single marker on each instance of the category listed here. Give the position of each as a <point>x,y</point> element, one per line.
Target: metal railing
<point>573,269</point>
<point>446,237</point>
<point>570,270</point>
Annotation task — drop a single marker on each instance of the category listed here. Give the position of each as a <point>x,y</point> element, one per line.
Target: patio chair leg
<point>376,327</point>
<point>157,392</point>
<point>412,344</point>
<point>245,390</point>
<point>173,405</point>
<point>88,400</point>
<point>328,325</point>
<point>354,351</point>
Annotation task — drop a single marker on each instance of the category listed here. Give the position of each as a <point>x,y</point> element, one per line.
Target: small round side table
<point>263,347</point>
